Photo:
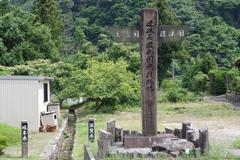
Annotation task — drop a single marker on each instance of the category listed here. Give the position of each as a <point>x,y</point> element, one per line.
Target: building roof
<point>37,78</point>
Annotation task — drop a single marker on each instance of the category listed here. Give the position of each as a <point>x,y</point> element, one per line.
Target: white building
<point>23,98</point>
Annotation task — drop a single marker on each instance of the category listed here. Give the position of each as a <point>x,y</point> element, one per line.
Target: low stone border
<point>52,149</point>
<point>233,98</point>
<point>87,153</point>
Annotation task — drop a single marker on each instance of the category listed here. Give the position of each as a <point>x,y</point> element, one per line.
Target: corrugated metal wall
<point>19,101</point>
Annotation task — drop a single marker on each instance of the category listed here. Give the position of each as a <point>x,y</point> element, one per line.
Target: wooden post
<point>204,140</point>
<point>185,126</point>
<point>149,54</point>
<point>24,139</point>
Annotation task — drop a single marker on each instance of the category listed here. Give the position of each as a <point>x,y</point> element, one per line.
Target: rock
<point>169,131</point>
<point>173,145</point>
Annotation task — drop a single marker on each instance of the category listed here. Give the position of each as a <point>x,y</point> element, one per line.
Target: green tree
<point>108,83</point>
<point>47,12</point>
<point>217,82</point>
<point>22,40</point>
<point>61,72</point>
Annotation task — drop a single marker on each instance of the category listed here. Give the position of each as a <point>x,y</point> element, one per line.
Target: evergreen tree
<point>47,12</point>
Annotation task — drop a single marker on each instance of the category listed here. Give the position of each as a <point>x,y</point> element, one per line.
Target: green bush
<point>173,92</point>
<point>233,81</point>
<point>236,143</point>
<point>217,85</point>
<point>200,82</point>
<point>3,144</point>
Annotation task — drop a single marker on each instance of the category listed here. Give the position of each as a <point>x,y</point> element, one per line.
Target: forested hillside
<point>69,40</point>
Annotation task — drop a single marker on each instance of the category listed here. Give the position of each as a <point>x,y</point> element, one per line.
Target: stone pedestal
<point>139,141</point>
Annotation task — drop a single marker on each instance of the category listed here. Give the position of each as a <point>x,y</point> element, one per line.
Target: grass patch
<point>10,134</point>
<point>201,109</point>
<point>131,118</point>
<point>236,144</point>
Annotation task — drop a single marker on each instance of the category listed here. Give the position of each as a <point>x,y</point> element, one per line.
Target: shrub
<point>236,143</point>
<point>199,82</point>
<point>3,144</point>
<point>217,85</point>
<point>233,81</point>
<point>173,92</point>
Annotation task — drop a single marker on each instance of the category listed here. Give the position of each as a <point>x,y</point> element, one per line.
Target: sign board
<point>24,138</point>
<point>91,129</point>
<point>24,128</point>
<point>125,34</point>
<point>172,33</point>
<point>166,33</point>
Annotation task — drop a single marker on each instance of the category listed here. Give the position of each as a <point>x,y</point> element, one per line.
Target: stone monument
<point>126,142</point>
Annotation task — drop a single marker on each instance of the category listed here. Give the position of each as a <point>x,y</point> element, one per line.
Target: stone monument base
<point>140,141</point>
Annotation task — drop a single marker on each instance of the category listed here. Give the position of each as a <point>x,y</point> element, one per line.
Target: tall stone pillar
<point>149,49</point>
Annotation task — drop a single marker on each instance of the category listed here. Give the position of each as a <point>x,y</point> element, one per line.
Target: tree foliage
<point>47,12</point>
<point>22,40</point>
<point>108,83</point>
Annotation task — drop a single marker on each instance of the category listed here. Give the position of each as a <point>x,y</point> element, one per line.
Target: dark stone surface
<point>149,47</point>
<point>190,135</point>
<point>185,127</point>
<point>177,132</point>
<point>118,134</point>
<point>169,131</point>
<point>138,141</point>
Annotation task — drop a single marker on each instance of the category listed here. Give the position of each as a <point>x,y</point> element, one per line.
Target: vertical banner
<point>91,130</point>
<point>24,138</point>
<point>149,56</point>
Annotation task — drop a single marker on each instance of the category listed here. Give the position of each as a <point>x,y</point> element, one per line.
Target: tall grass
<point>10,134</point>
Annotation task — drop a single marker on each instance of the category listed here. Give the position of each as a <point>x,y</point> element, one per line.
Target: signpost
<point>24,138</point>
<point>91,130</point>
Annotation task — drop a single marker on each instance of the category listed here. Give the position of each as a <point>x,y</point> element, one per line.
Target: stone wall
<point>51,151</point>
<point>233,98</point>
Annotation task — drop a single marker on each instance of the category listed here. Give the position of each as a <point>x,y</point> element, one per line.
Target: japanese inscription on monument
<point>91,129</point>
<point>149,46</point>
<point>166,33</point>
<point>24,138</point>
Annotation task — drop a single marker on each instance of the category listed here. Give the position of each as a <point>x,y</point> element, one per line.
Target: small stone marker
<point>24,130</point>
<point>104,143</point>
<point>204,140</point>
<point>125,132</point>
<point>185,126</point>
<point>111,126</point>
<point>91,130</point>
<point>149,56</point>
